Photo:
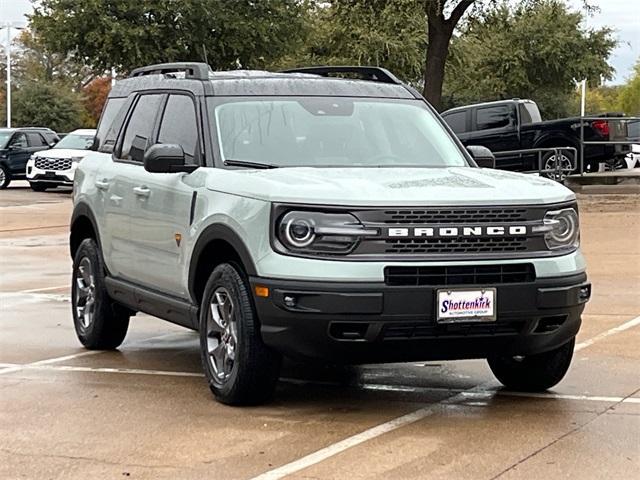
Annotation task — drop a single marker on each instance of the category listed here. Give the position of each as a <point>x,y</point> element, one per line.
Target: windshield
<point>332,132</point>
<point>75,142</point>
<point>4,138</point>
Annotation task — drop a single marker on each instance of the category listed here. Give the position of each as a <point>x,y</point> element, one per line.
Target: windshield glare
<point>333,132</point>
<point>75,142</point>
<point>4,138</point>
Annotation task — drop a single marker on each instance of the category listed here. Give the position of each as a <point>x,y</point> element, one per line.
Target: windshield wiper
<point>245,163</point>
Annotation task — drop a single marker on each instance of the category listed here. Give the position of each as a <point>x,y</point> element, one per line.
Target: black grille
<point>459,275</point>
<point>456,245</point>
<point>455,216</point>
<point>53,163</point>
<point>406,330</point>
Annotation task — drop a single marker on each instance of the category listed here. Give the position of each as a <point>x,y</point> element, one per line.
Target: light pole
<point>9,26</point>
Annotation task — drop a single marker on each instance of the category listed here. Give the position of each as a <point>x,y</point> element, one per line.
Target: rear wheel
<point>5,177</point>
<point>239,367</point>
<point>533,373</point>
<point>100,324</point>
<point>38,187</point>
<point>558,169</point>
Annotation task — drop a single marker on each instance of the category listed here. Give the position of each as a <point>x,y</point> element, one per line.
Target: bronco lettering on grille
<point>471,231</point>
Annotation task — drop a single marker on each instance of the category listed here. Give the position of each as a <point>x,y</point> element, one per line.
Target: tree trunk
<point>439,37</point>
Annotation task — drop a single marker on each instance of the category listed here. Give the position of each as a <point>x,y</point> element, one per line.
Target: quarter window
<point>140,127</point>
<point>457,121</point>
<point>179,124</point>
<point>493,117</point>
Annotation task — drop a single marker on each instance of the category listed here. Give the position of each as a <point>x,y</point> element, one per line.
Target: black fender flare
<point>223,232</point>
<point>82,210</point>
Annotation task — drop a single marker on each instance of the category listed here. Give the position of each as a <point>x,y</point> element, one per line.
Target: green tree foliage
<point>366,32</point>
<point>46,105</point>
<point>536,50</point>
<point>630,93</point>
<point>126,34</point>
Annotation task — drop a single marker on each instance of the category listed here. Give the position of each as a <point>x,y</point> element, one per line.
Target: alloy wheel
<point>566,167</point>
<point>85,297</point>
<point>222,334</point>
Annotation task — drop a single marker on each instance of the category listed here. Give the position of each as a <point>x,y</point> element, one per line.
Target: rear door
<point>163,202</point>
<point>118,178</point>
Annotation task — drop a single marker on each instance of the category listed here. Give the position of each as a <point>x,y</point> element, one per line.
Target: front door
<point>163,203</point>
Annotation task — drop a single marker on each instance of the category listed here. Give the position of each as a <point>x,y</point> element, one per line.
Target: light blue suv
<point>307,214</point>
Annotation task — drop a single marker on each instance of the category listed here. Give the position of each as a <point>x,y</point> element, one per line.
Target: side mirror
<point>482,156</point>
<point>166,158</point>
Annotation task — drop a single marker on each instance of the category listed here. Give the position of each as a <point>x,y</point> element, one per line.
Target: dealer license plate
<point>456,306</point>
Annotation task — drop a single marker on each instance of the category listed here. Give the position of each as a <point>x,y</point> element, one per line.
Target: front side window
<point>332,132</point>
<point>140,127</point>
<point>493,117</point>
<point>110,123</point>
<point>179,125</point>
<point>75,142</point>
<point>19,140</point>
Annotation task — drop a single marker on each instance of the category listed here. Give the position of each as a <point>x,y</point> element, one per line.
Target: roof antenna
<point>204,50</point>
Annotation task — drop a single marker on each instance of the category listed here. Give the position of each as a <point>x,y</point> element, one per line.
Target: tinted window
<point>140,125</point>
<point>529,113</point>
<point>179,124</point>
<point>110,122</point>
<point>19,140</point>
<point>493,117</point>
<point>36,140</point>
<point>457,121</point>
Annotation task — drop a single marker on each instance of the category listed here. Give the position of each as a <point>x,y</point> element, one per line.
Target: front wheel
<point>5,177</point>
<point>533,373</point>
<point>239,367</point>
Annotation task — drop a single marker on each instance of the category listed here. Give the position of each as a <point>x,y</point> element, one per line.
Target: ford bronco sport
<point>332,219</point>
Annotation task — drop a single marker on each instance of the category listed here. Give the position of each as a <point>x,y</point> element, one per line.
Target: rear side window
<point>457,121</point>
<point>179,124</point>
<point>140,127</point>
<point>36,140</point>
<point>493,117</point>
<point>112,116</point>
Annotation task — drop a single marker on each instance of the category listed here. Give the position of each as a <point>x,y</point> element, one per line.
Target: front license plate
<point>456,306</point>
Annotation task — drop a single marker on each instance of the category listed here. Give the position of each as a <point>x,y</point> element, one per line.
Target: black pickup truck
<point>508,125</point>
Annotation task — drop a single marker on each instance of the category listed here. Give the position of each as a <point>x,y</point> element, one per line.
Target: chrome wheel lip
<point>85,293</point>
<point>221,334</point>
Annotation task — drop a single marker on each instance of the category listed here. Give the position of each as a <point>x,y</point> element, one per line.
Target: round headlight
<point>299,232</point>
<point>564,231</point>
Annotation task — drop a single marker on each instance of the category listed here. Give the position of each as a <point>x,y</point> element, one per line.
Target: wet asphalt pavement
<point>145,411</point>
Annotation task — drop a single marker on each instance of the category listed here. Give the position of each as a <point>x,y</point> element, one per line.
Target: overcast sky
<point>622,15</point>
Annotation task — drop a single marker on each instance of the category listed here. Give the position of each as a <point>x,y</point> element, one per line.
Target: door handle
<point>102,184</point>
<point>141,191</point>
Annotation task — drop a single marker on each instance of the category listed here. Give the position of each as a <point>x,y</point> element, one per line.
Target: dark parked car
<point>16,147</point>
<point>517,125</point>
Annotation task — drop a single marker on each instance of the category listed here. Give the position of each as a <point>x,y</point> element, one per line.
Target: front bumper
<point>59,177</point>
<point>374,322</point>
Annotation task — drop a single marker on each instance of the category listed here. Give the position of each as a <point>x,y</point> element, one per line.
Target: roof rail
<point>375,74</point>
<point>194,70</point>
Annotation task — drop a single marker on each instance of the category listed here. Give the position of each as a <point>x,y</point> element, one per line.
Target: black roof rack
<point>193,70</point>
<point>375,74</point>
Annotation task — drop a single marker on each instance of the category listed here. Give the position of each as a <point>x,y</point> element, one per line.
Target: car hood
<point>62,153</point>
<point>389,186</point>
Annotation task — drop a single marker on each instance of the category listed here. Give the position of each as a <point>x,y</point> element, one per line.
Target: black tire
<point>248,370</point>
<point>38,187</point>
<point>566,161</point>
<point>533,373</point>
<point>5,177</point>
<point>107,324</point>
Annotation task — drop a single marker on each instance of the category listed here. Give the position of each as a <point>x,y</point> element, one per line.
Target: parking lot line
<point>336,448</point>
<point>620,328</point>
<point>45,289</point>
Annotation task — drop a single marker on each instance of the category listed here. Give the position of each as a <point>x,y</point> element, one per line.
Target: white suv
<point>51,168</point>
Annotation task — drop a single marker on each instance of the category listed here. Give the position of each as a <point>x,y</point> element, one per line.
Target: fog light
<point>289,301</point>
<point>585,292</point>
